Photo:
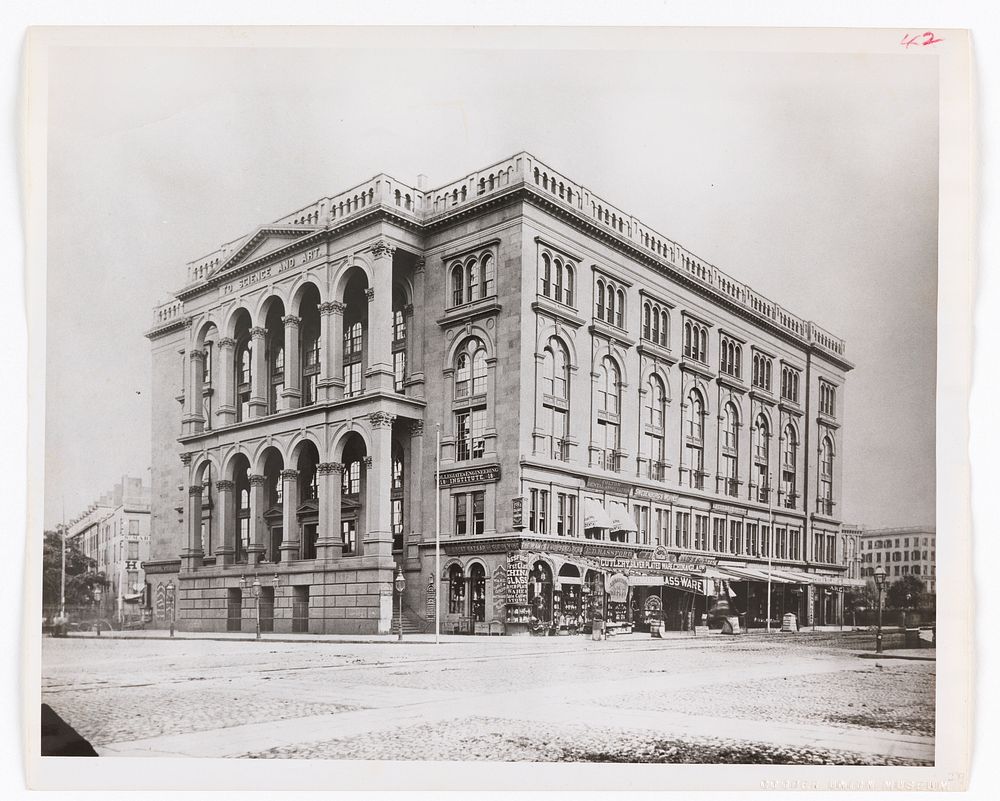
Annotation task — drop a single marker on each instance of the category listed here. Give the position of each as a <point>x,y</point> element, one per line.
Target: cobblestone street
<point>801,699</point>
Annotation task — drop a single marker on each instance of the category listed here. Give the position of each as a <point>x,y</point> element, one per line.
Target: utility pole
<point>770,548</point>
<point>437,540</point>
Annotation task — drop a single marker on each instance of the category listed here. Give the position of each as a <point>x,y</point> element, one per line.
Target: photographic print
<point>564,400</point>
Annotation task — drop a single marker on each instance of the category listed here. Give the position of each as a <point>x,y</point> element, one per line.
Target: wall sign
<point>431,596</point>
<point>517,578</point>
<point>607,485</point>
<point>475,475</point>
<point>517,510</point>
<point>499,592</point>
<point>653,495</point>
<point>618,588</point>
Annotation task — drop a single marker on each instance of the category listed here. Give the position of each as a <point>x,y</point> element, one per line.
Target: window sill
<point>732,382</point>
<point>469,311</point>
<point>562,312</point>
<point>612,332</point>
<point>699,368</point>
<point>649,348</point>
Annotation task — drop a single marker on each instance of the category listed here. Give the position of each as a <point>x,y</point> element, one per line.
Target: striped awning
<point>595,515</point>
<point>620,520</point>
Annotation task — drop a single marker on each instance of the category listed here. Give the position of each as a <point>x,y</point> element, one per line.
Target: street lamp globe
<point>400,580</point>
<point>880,577</point>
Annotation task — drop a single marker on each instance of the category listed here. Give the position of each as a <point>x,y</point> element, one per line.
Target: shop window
<point>456,590</point>
<point>477,580</point>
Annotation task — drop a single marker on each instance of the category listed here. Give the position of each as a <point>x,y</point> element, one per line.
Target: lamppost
<point>255,594</point>
<point>400,584</point>
<point>173,605</point>
<point>905,608</point>
<point>879,585</point>
<point>97,614</point>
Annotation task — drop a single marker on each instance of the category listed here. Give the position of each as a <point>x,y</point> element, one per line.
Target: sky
<point>811,177</point>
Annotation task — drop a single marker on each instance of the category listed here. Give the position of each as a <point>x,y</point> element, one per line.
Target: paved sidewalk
<point>915,654</point>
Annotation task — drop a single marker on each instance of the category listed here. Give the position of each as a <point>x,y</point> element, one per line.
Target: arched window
<point>646,327</point>
<point>244,376</point>
<point>472,276</point>
<point>546,275</point>
<point>826,477</point>
<point>488,267</point>
<point>600,300</point>
<point>730,450</point>
<point>471,386</point>
<point>457,285</point>
<point>761,442</point>
<point>656,406</point>
<point>610,307</point>
<point>608,414</point>
<point>664,328</point>
<point>695,441</point>
<point>477,582</point>
<point>608,387</point>
<point>456,590</point>
<point>555,397</point>
<point>353,347</point>
<point>569,295</point>
<point>620,309</point>
<point>789,446</point>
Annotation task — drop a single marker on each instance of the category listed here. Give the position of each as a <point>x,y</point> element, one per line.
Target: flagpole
<point>437,539</point>
<point>770,548</point>
<point>62,574</point>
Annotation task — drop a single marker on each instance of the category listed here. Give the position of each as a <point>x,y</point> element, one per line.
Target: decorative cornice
<point>291,319</point>
<point>224,486</point>
<point>381,419</point>
<point>289,474</point>
<point>257,480</point>
<point>382,250</point>
<point>227,342</point>
<point>370,294</point>
<point>257,332</point>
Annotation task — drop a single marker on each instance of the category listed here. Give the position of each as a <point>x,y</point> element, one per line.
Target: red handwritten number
<point>911,40</point>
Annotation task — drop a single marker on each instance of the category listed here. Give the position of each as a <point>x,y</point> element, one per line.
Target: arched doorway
<point>352,494</point>
<point>307,512</point>
<point>273,503</point>
<point>540,597</point>
<point>477,585</point>
<point>568,598</point>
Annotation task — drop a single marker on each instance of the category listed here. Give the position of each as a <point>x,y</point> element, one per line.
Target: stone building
<point>625,429</point>
<point>906,551</point>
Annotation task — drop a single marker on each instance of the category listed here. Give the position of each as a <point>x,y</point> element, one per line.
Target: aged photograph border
<point>954,337</point>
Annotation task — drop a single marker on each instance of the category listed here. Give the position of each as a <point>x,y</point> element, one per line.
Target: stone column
<point>194,419</point>
<point>226,411</point>
<point>257,529</point>
<point>191,557</point>
<point>329,542</point>
<point>292,393</point>
<point>378,536</point>
<point>413,490</point>
<point>224,523</point>
<point>290,544</point>
<point>415,338</point>
<point>379,376</point>
<point>331,344</point>
<point>258,379</point>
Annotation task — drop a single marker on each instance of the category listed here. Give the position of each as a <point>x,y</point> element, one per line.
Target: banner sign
<point>499,591</point>
<point>618,588</point>
<point>474,475</point>
<point>648,565</point>
<point>517,578</point>
<point>686,583</point>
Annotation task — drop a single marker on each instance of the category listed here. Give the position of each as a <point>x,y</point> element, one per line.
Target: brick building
<point>624,428</point>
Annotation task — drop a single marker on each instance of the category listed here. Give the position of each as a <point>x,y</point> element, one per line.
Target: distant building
<point>908,551</point>
<point>114,532</point>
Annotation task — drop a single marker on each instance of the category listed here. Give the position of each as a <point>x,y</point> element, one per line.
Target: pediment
<point>266,240</point>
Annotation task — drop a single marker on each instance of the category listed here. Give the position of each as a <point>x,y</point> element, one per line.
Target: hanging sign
<point>431,598</point>
<point>517,511</point>
<point>499,592</point>
<point>618,588</point>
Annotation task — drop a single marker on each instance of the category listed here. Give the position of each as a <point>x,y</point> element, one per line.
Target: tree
<point>896,598</point>
<point>81,578</point>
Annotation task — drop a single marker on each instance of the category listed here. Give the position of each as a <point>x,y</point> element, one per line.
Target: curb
<point>906,657</point>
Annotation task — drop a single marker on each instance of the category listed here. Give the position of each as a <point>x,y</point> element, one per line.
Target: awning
<point>753,574</point>
<point>620,520</point>
<point>595,515</point>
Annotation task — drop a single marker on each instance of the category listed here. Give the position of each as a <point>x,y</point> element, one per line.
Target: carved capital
<point>188,322</point>
<point>367,461</point>
<point>326,468</point>
<point>331,307</point>
<point>416,428</point>
<point>419,264</point>
<point>382,250</point>
<point>194,353</point>
<point>381,419</point>
<point>257,332</point>
<point>195,489</point>
<point>370,294</point>
<point>224,486</point>
<point>227,342</point>
<point>408,310</point>
<point>257,480</point>
<point>291,319</point>
<point>289,475</point>
<point>186,458</point>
